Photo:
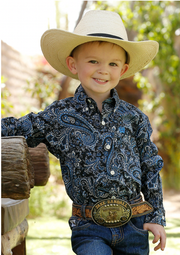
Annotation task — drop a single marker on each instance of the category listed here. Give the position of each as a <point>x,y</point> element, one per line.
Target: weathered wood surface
<point>40,161</point>
<point>13,212</point>
<point>20,249</point>
<point>17,171</point>
<point>13,238</point>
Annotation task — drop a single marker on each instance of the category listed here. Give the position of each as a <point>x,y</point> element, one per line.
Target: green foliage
<point>36,202</point>
<point>158,20</point>
<point>48,200</point>
<point>6,106</point>
<point>55,168</point>
<point>45,85</point>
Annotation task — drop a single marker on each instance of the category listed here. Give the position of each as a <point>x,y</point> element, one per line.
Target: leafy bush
<point>49,200</point>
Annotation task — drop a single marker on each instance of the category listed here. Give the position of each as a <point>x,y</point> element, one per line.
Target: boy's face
<point>99,66</point>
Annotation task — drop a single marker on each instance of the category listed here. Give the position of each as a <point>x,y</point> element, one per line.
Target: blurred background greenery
<point>159,84</point>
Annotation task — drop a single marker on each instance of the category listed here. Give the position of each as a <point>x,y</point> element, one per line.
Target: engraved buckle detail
<point>111,212</point>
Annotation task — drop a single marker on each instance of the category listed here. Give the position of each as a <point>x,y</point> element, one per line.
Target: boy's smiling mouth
<point>101,81</point>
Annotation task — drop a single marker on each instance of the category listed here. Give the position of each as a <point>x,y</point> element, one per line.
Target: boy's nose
<point>104,72</point>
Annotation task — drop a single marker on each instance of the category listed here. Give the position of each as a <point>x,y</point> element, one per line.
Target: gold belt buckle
<point>111,213</point>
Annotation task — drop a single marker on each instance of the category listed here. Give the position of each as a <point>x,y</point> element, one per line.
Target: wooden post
<point>19,166</point>
<point>20,249</point>
<point>17,171</point>
<point>22,167</point>
<point>14,238</point>
<point>40,161</point>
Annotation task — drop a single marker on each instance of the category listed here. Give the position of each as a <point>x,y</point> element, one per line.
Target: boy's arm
<point>151,164</point>
<point>27,126</point>
<point>34,127</point>
<point>43,127</point>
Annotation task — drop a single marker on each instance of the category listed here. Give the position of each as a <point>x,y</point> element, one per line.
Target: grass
<point>51,236</point>
<point>48,236</point>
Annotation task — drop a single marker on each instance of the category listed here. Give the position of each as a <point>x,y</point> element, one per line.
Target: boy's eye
<point>93,61</point>
<point>113,64</point>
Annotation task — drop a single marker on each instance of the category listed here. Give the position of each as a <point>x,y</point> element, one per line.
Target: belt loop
<point>83,212</point>
<point>136,199</point>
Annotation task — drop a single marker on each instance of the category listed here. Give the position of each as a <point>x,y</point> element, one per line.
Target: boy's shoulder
<point>61,103</point>
<point>128,107</point>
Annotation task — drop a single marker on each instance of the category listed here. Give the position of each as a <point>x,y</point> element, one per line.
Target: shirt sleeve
<point>151,165</point>
<point>34,127</point>
<point>27,126</point>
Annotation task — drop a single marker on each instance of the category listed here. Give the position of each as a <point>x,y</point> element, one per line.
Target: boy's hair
<point>127,59</point>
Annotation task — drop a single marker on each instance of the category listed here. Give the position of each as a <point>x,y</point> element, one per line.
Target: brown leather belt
<point>112,212</point>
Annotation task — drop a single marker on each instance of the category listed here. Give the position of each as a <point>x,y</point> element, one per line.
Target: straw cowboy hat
<point>97,25</point>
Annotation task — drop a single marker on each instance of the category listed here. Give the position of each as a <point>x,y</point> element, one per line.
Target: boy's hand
<point>159,233</point>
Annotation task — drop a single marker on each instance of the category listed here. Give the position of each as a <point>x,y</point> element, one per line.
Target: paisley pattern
<point>102,155</point>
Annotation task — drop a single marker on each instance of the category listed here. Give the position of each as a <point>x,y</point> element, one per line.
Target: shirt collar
<point>81,95</point>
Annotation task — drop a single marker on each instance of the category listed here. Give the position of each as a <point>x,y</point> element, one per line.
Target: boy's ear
<point>71,64</point>
<point>124,69</point>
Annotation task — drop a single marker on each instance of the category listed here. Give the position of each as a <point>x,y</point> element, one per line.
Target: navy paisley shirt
<point>102,155</point>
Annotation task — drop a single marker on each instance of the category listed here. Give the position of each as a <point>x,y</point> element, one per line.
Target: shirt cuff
<point>150,218</point>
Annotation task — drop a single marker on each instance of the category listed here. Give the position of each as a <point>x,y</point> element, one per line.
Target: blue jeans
<point>91,239</point>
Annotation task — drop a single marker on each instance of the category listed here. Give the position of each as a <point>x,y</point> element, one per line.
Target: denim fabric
<point>91,239</point>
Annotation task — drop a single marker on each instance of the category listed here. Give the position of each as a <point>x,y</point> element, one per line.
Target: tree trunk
<point>66,80</point>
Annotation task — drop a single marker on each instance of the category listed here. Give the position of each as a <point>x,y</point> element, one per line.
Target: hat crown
<point>98,22</point>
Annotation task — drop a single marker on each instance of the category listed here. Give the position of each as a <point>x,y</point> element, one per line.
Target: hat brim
<point>58,44</point>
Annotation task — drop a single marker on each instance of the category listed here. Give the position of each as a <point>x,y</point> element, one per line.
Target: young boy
<point>103,143</point>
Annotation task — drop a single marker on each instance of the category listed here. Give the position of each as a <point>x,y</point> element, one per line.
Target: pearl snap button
<point>112,172</point>
<point>103,123</point>
<point>108,146</point>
